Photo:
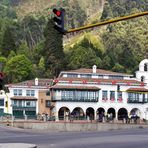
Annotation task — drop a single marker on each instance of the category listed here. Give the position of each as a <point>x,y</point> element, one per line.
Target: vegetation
<point>30,47</point>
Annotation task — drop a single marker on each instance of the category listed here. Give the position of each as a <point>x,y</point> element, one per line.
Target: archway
<point>100,114</point>
<point>63,113</point>
<point>90,113</point>
<point>146,67</point>
<point>100,110</point>
<point>122,113</point>
<point>78,113</point>
<point>112,111</point>
<point>135,112</point>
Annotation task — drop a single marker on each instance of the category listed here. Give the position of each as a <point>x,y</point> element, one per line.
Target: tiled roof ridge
<point>138,89</point>
<point>98,70</point>
<point>97,79</point>
<point>32,81</point>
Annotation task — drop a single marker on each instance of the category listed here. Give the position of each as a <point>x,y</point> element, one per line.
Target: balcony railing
<point>133,100</point>
<point>24,108</point>
<point>77,100</point>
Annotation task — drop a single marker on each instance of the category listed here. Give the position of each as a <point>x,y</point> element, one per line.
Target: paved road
<point>134,138</point>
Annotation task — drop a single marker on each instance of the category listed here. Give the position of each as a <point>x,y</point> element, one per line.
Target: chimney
<point>36,81</point>
<point>94,69</point>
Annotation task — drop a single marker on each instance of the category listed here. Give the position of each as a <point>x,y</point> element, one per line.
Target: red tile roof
<point>23,98</point>
<point>41,82</point>
<point>75,87</point>
<point>113,81</point>
<point>138,89</point>
<point>98,71</point>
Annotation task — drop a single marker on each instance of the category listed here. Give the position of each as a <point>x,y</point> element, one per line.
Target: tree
<point>53,50</point>
<point>41,67</point>
<point>8,42</point>
<point>118,68</point>
<point>83,57</point>
<point>2,63</point>
<point>18,68</point>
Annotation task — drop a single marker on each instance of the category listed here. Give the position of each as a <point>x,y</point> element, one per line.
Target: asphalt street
<point>134,138</point>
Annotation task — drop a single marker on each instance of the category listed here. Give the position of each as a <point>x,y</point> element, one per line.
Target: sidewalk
<point>17,145</point>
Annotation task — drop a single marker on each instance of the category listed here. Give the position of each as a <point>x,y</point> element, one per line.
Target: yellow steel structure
<point>108,22</point>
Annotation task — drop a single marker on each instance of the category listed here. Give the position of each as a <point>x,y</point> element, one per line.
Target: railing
<point>24,108</point>
<point>80,100</point>
<point>135,100</point>
<point>75,100</point>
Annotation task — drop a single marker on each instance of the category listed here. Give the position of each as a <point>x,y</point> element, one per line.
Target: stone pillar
<point>95,116</point>
<point>13,118</point>
<point>56,116</point>
<point>115,120</point>
<point>26,117</point>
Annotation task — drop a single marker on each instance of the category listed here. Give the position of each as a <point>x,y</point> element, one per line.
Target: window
<point>1,102</point>
<point>72,75</point>
<point>104,95</point>
<point>112,95</point>
<point>20,103</point>
<point>142,78</point>
<point>48,93</point>
<point>48,103</point>
<point>116,77</point>
<point>119,95</point>
<point>30,92</point>
<point>85,75</point>
<point>14,102</point>
<point>28,103</point>
<point>17,92</point>
<point>145,67</point>
<point>1,111</point>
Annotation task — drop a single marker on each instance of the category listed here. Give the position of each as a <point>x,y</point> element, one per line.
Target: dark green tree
<point>18,68</point>
<point>8,42</point>
<point>53,50</point>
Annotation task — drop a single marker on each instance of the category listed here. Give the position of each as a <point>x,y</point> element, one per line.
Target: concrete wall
<point>54,126</point>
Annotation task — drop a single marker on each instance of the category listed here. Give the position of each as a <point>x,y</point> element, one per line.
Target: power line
<point>108,22</point>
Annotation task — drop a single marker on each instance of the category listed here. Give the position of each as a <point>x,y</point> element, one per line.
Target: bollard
<point>13,118</point>
<point>103,119</point>
<point>26,117</point>
<point>44,118</point>
<point>7,120</point>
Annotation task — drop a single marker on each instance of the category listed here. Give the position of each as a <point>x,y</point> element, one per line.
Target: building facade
<point>3,103</point>
<point>89,92</point>
<point>29,98</point>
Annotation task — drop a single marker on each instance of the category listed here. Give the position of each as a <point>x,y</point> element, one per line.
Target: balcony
<point>24,108</point>
<point>137,100</point>
<point>77,100</point>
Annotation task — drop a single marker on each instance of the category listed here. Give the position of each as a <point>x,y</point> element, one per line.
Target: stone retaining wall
<point>55,126</point>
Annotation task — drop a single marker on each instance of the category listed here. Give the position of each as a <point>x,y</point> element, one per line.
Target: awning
<point>137,90</point>
<point>23,98</point>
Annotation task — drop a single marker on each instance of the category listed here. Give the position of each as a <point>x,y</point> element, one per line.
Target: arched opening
<point>63,113</point>
<point>100,114</point>
<point>78,113</point>
<point>111,112</point>
<point>145,67</point>
<point>122,113</point>
<point>100,110</point>
<point>142,78</point>
<point>135,112</point>
<point>90,113</point>
<point>135,115</point>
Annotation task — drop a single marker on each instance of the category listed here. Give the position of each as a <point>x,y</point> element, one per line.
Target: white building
<point>92,91</point>
<point>3,100</point>
<point>30,97</point>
